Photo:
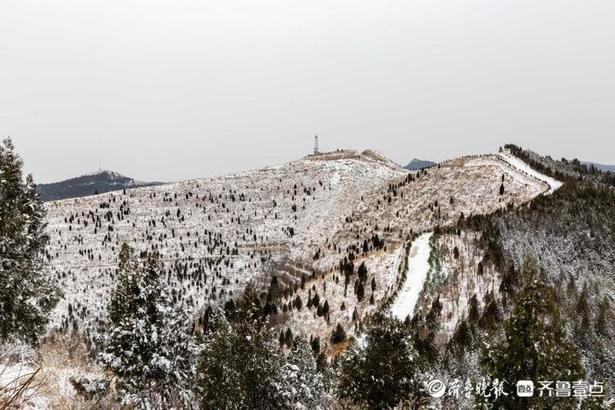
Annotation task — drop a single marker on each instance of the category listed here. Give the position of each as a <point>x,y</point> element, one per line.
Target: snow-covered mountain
<point>334,243</point>
<point>89,184</point>
<point>298,221</point>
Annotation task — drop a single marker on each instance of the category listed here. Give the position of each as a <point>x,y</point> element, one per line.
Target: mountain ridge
<point>89,184</point>
<point>601,167</point>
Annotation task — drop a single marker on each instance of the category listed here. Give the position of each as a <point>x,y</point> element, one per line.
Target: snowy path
<point>522,166</point>
<point>418,266</point>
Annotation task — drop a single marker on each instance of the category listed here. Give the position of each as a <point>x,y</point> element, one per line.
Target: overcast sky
<point>169,90</point>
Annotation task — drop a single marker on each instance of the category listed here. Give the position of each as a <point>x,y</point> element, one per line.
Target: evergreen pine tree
<point>584,329</point>
<point>462,339</point>
<point>535,345</point>
<point>338,335</point>
<point>425,330</point>
<point>26,296</point>
<point>473,313</point>
<point>362,272</point>
<point>602,318</point>
<point>360,292</point>
<point>298,304</point>
<point>456,252</point>
<point>239,364</point>
<point>315,344</point>
<point>382,373</point>
<point>300,384</point>
<point>288,337</point>
<point>149,345</point>
<point>491,315</point>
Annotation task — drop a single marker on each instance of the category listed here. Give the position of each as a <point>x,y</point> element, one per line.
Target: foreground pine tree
<point>26,296</point>
<point>149,345</point>
<point>383,373</point>
<point>300,383</point>
<point>239,365</point>
<point>535,346</point>
<point>242,366</point>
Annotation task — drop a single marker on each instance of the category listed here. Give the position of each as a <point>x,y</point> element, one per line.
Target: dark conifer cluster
<point>26,294</point>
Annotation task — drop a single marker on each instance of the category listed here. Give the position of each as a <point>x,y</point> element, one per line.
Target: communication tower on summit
<point>316,151</point>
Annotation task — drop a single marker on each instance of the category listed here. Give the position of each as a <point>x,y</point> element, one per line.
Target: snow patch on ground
<point>418,267</point>
<point>11,375</point>
<point>515,162</point>
<point>16,378</point>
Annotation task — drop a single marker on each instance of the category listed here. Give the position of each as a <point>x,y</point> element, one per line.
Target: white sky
<point>168,90</point>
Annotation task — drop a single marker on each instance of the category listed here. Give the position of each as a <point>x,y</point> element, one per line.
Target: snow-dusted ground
<point>418,267</point>
<point>12,375</point>
<point>45,375</point>
<point>554,184</point>
<point>15,377</point>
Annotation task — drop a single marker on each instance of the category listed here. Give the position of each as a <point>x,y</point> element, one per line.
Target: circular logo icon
<point>436,388</point>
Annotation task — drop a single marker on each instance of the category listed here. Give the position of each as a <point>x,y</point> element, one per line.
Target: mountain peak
<point>365,155</point>
<point>416,164</point>
<point>105,173</point>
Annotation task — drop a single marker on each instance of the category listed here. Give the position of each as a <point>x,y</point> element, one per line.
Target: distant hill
<point>601,167</point>
<point>418,164</point>
<point>97,183</point>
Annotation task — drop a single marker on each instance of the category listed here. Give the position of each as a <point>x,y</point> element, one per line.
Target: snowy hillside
<point>478,266</point>
<point>304,222</point>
